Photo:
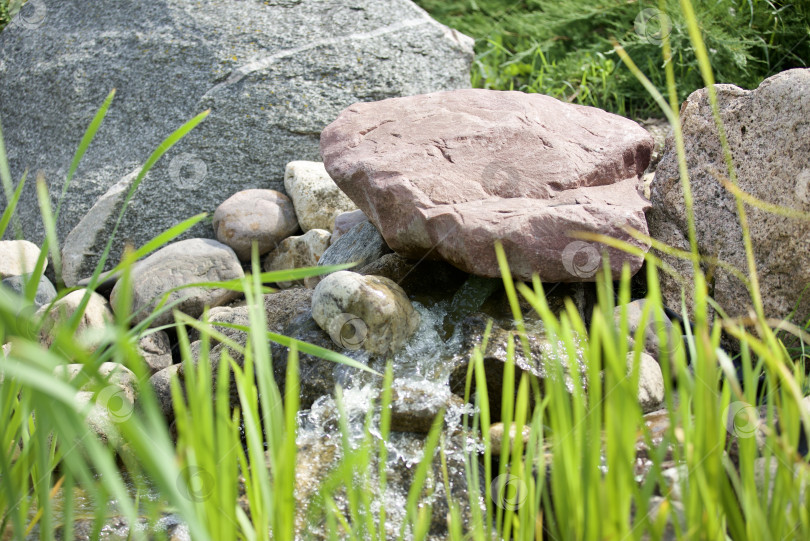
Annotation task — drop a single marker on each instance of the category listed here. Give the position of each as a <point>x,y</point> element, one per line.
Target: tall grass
<point>562,47</point>
<point>231,473</point>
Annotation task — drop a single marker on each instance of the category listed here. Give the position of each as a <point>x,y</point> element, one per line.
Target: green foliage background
<point>563,47</point>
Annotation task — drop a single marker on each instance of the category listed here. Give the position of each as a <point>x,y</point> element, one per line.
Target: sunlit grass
<point>573,478</point>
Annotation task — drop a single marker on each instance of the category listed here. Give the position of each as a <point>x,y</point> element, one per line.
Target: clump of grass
<point>563,48</point>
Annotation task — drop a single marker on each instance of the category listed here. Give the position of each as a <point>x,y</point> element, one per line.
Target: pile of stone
<point>413,191</point>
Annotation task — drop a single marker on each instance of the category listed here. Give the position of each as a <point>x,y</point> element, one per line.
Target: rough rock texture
<point>317,199</point>
<point>156,351</point>
<point>96,315</point>
<point>264,216</point>
<point>345,221</point>
<point>45,290</point>
<point>272,73</point>
<point>366,312</point>
<point>298,252</point>
<point>363,244</point>
<point>768,132</point>
<point>178,264</point>
<point>446,174</point>
<point>17,257</point>
<point>280,308</point>
<point>87,240</point>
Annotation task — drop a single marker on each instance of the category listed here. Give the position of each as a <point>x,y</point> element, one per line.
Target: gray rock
<point>272,73</point>
<point>767,132</point>
<point>156,351</point>
<point>178,264</point>
<point>416,403</point>
<point>392,266</point>
<point>264,216</point>
<point>416,277</point>
<point>111,396</point>
<point>345,221</point>
<point>298,252</point>
<point>280,308</point>
<point>651,331</point>
<point>317,199</point>
<point>95,317</point>
<point>650,382</point>
<point>161,383</point>
<point>17,257</point>
<point>105,411</point>
<point>45,290</point>
<point>363,244</point>
<point>366,312</point>
<point>317,377</point>
<point>108,374</point>
<point>87,240</point>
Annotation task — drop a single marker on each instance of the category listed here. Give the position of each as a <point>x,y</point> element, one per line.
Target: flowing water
<point>423,365</point>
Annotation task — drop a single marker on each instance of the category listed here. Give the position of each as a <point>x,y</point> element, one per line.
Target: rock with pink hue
<point>345,221</point>
<point>264,216</point>
<point>446,175</point>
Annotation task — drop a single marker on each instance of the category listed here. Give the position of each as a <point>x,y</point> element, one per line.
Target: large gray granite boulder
<point>768,131</point>
<point>273,75</point>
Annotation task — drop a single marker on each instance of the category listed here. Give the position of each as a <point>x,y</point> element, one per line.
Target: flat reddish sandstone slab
<point>445,175</point>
